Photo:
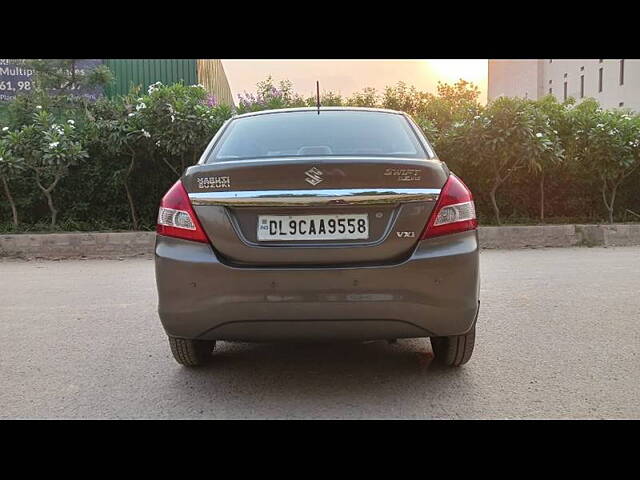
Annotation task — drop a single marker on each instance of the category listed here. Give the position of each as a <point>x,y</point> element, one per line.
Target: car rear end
<point>299,225</point>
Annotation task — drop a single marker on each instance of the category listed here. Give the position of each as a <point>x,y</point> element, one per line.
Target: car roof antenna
<point>318,95</point>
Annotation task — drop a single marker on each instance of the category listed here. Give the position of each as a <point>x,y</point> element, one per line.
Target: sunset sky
<point>348,76</point>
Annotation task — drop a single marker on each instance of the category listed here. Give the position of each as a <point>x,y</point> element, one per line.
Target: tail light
<point>454,211</point>
<point>176,217</point>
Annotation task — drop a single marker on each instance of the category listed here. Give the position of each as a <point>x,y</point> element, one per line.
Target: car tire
<point>191,353</point>
<point>455,350</point>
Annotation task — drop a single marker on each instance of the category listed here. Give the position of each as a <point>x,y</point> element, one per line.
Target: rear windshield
<point>301,134</point>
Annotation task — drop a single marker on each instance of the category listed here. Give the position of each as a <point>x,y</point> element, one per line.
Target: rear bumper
<point>433,293</point>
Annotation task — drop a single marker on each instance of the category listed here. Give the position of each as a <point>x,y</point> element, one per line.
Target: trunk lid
<point>396,195</point>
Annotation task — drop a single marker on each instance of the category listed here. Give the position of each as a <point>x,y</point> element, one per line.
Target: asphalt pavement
<point>558,337</point>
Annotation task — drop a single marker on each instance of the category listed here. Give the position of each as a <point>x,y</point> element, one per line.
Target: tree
<point>64,76</point>
<point>10,166</point>
<point>180,121</point>
<point>460,93</point>
<point>452,104</point>
<point>170,125</point>
<point>502,139</point>
<point>607,144</point>
<point>327,99</point>
<point>368,97</point>
<point>428,128</point>
<point>118,131</point>
<point>551,126</point>
<point>435,113</point>
<point>49,149</point>
<point>405,99</point>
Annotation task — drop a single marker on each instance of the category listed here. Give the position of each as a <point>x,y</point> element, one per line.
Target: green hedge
<point>114,159</point>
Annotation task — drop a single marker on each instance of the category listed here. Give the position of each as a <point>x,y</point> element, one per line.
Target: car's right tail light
<point>454,211</point>
<point>176,217</point>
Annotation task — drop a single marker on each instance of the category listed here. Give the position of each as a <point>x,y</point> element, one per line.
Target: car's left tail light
<point>176,217</point>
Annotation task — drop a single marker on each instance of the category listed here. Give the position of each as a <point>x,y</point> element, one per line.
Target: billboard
<point>16,79</point>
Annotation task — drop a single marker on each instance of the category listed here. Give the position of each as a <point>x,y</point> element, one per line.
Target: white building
<point>614,83</point>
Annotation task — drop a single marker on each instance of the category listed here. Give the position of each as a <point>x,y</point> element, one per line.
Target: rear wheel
<point>455,350</point>
<point>191,353</point>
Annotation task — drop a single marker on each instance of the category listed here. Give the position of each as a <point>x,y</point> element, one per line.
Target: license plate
<point>313,227</point>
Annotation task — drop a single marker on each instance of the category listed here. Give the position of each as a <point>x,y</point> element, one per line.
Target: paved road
<point>559,337</point>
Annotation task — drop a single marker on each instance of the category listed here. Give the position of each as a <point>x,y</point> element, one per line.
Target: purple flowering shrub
<point>210,100</point>
<point>268,97</point>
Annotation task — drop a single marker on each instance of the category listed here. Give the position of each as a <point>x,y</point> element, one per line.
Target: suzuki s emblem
<point>314,176</point>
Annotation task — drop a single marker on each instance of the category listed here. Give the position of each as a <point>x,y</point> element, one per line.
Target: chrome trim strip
<point>320,159</point>
<point>351,196</point>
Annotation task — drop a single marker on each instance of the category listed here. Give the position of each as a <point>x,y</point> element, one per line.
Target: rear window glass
<point>302,134</point>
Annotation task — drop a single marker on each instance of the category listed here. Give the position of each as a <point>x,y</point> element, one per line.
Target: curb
<point>540,236</point>
<point>77,244</point>
<point>128,244</point>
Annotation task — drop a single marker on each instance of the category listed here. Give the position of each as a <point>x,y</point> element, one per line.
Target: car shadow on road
<point>325,379</point>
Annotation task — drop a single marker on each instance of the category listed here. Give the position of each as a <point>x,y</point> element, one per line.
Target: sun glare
<point>452,70</point>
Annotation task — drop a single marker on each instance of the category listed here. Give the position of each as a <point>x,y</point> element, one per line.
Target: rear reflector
<point>454,211</point>
<point>176,217</point>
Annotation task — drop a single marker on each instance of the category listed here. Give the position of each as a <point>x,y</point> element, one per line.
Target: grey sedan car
<point>327,223</point>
